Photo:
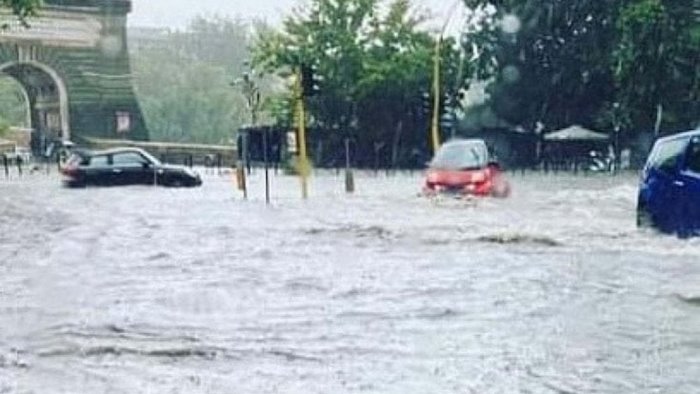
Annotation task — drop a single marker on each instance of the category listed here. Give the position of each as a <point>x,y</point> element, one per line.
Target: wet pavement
<point>153,290</point>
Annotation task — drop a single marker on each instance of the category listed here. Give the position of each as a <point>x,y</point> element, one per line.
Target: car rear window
<point>665,155</point>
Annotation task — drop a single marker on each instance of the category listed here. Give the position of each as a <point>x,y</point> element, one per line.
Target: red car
<point>464,167</point>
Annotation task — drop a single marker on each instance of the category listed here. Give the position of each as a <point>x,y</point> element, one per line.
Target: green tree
<point>183,81</point>
<point>22,8</point>
<point>549,60</point>
<point>602,63</point>
<point>656,64</point>
<point>13,105</point>
<point>376,61</point>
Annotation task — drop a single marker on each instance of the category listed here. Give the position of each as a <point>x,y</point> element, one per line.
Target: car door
<point>689,181</point>
<point>131,168</point>
<point>663,184</point>
<point>98,170</point>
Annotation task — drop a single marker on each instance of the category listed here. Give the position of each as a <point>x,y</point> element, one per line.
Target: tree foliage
<point>22,8</point>
<point>13,103</point>
<point>657,63</point>
<point>603,63</point>
<point>183,81</point>
<point>376,60</point>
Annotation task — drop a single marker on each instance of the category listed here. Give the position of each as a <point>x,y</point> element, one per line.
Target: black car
<point>124,166</point>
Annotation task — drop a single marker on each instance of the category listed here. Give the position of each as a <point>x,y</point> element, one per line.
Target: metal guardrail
<point>174,152</point>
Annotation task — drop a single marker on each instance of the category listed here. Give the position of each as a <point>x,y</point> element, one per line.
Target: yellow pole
<point>303,165</point>
<point>435,129</point>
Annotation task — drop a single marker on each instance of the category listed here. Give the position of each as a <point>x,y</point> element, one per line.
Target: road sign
<point>292,144</point>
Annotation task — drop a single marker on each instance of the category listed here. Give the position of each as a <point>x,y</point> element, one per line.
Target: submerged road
<point>151,290</point>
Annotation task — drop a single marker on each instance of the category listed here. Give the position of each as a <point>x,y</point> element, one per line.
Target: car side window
<point>99,161</point>
<point>693,161</point>
<point>129,159</point>
<point>666,155</point>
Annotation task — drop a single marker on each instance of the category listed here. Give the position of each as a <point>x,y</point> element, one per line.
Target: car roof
<point>114,151</point>
<point>683,135</point>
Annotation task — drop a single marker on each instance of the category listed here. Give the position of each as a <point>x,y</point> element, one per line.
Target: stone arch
<point>67,43</point>
<point>46,94</point>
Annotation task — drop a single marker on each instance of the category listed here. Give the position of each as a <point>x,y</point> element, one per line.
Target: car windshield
<point>461,156</point>
<point>665,155</point>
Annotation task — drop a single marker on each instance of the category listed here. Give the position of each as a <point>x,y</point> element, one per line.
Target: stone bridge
<point>72,61</point>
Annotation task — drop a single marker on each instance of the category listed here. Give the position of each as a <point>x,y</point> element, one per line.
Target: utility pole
<point>303,163</point>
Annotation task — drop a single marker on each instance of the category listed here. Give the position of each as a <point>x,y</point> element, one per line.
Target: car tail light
<point>69,170</point>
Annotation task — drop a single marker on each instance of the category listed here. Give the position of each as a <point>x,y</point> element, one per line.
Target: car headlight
<point>479,177</point>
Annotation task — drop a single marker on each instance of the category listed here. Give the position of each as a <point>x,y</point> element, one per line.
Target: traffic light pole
<point>435,129</point>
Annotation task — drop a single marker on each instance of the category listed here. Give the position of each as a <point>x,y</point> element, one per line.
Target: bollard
<point>241,179</point>
<point>349,177</point>
<point>208,164</point>
<point>267,167</point>
<point>6,165</point>
<point>349,182</point>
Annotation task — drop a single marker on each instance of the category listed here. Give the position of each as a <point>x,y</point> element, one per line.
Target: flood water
<point>152,290</point>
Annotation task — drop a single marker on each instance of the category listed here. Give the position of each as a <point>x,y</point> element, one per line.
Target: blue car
<point>669,195</point>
